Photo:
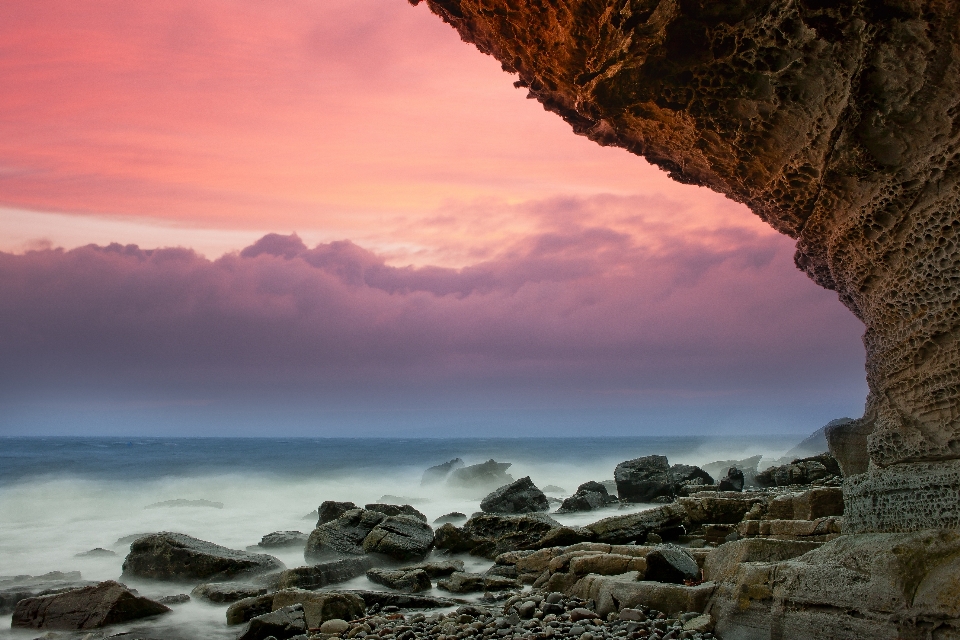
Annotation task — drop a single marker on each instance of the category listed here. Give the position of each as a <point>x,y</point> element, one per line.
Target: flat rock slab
<point>221,592</point>
<point>175,556</point>
<point>436,569</point>
<point>86,608</point>
<point>283,539</point>
<point>324,573</point>
<point>404,600</point>
<point>401,537</point>
<point>410,581</point>
<point>13,589</point>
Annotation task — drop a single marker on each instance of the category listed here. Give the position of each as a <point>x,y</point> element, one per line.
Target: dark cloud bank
<point>565,330</point>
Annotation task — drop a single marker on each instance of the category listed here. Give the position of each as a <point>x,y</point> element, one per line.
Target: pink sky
<point>512,254</point>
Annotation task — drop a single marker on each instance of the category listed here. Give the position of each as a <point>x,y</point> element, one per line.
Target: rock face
<point>343,536</point>
<point>400,537</point>
<point>175,556</point>
<point>836,123</point>
<point>521,496</point>
<point>86,608</point>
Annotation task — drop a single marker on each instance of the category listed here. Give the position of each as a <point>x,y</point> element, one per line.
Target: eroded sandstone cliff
<point>838,123</point>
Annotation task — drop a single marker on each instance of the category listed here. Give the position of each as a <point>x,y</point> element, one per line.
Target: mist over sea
<point>63,496</point>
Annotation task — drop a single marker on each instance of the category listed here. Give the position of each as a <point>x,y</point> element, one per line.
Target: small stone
<point>336,625</point>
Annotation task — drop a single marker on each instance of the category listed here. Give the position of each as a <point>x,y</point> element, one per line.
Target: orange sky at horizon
<point>208,125</point>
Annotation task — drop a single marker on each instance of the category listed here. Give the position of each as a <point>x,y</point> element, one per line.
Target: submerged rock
<point>439,473</point>
<point>453,516</point>
<point>521,496</point>
<point>176,556</point>
<point>85,608</point>
<point>99,552</point>
<point>283,539</point>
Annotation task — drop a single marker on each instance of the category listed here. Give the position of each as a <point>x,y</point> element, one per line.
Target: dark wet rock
<point>671,564</point>
<point>461,582</point>
<point>343,536</point>
<point>383,599</point>
<point>552,488</point>
<point>500,533</point>
<point>249,608</point>
<point>320,606</point>
<point>330,510</point>
<point>748,466</point>
<point>221,592</point>
<point>396,510</point>
<point>801,471</point>
<point>325,573</point>
<point>563,536</point>
<point>406,581</point>
<point>453,516</point>
<point>99,552</point>
<point>733,480</point>
<point>178,598</point>
<point>683,474</point>
<point>644,479</point>
<point>436,569</point>
<point>13,589</point>
<point>86,608</point>
<point>180,502</point>
<point>439,473</point>
<point>521,496</point>
<point>589,496</point>
<point>280,624</point>
<point>279,539</point>
<point>454,539</point>
<point>481,477</point>
<point>636,527</point>
<point>175,556</point>
<point>400,537</point>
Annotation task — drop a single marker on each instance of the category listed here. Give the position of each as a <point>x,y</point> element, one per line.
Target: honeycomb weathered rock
<point>836,121</point>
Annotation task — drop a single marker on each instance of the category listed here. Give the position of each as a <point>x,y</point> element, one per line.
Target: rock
<point>722,563</point>
<point>802,471</point>
<point>733,481</point>
<point>403,600</point>
<point>283,539</point>
<point>455,540</point>
<point>589,496</point>
<point>481,477</point>
<point>461,582</point>
<point>330,510</point>
<point>439,473</point>
<point>389,498</point>
<point>249,608</point>
<point>436,569</point>
<point>335,625</point>
<point>180,502</point>
<point>13,589</point>
<point>636,527</point>
<point>748,466</point>
<point>644,479</point>
<point>563,536</point>
<point>280,624</point>
<point>396,510</point>
<point>406,581</point>
<point>125,541</point>
<point>175,556</point>
<point>611,593</point>
<point>85,608</point>
<point>320,606</point>
<point>99,552</point>
<point>699,624</point>
<point>552,488</point>
<point>324,573</point>
<point>847,441</point>
<point>521,496</point>
<point>227,591</point>
<point>401,537</point>
<point>500,533</point>
<point>453,516</point>
<point>608,564</point>
<point>671,564</point>
<point>178,598</point>
<point>816,442</point>
<point>689,474</point>
<point>343,536</point>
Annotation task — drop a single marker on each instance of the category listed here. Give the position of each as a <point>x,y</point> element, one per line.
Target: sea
<point>62,496</point>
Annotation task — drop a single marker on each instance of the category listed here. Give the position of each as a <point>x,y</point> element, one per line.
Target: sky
<point>335,218</point>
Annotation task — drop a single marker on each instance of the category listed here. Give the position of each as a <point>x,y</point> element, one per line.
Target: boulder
<point>439,473</point>
<point>563,536</point>
<point>280,624</point>
<point>334,627</point>
<point>588,496</point>
<point>689,474</point>
<point>403,600</point>
<point>802,471</point>
<point>175,556</point>
<point>324,573</point>
<point>608,564</point>
<point>613,593</point>
<point>671,564</point>
<point>748,466</point>
<point>279,539</point>
<point>733,481</point>
<point>406,581</point>
<point>455,540</point>
<point>220,592</point>
<point>453,516</point>
<point>400,537</point>
<point>330,510</point>
<point>436,569</point>
<point>245,610</point>
<point>395,510</point>
<point>635,527</point>
<point>500,533</point>
<point>85,608</point>
<point>481,477</point>
<point>461,582</point>
<point>719,508</point>
<point>13,589</point>
<point>644,479</point>
<point>343,536</point>
<point>320,606</point>
<point>521,496</point>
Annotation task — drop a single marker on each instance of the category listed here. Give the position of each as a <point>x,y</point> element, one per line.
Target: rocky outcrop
<point>395,510</point>
<point>13,589</point>
<point>439,473</point>
<point>175,556</point>
<point>343,536</point>
<point>481,477</point>
<point>837,123</point>
<point>86,608</point>
<point>400,537</point>
<point>652,479</point>
<point>324,573</point>
<point>521,496</point>
<point>330,510</point>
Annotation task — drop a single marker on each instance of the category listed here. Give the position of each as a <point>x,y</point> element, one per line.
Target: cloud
<point>584,308</point>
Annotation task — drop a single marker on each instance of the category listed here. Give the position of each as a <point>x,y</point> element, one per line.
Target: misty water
<point>63,496</point>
